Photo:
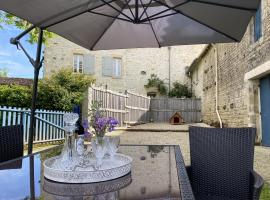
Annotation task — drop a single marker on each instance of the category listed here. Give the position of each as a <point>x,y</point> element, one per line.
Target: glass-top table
<point>158,172</point>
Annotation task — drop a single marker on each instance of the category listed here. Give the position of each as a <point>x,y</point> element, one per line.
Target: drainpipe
<point>169,52</point>
<point>216,68</point>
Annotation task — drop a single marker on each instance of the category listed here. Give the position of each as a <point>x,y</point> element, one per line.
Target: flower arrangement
<point>99,123</point>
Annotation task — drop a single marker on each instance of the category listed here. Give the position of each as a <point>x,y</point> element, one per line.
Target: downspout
<point>216,68</point>
<point>169,60</point>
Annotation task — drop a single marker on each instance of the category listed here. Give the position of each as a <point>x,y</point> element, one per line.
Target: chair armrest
<point>256,185</point>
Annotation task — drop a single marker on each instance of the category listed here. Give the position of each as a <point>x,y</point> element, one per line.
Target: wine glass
<point>70,120</point>
<point>112,144</point>
<point>99,150</point>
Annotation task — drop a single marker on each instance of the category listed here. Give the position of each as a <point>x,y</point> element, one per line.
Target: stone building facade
<point>240,69</point>
<point>169,63</point>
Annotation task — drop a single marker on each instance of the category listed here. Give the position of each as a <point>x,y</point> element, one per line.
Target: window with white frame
<point>78,63</point>
<point>117,67</point>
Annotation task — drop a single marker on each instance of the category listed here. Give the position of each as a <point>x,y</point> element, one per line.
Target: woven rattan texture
<point>222,162</point>
<point>11,142</point>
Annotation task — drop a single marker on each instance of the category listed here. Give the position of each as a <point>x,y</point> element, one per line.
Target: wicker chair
<point>11,142</point>
<point>222,164</point>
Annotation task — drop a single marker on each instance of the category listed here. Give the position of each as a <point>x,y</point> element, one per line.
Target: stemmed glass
<point>99,150</point>
<point>112,143</point>
<point>70,120</point>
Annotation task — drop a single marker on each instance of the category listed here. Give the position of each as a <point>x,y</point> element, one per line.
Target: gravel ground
<point>262,154</point>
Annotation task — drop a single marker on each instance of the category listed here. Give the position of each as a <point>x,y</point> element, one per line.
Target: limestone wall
<point>238,98</point>
<point>59,53</point>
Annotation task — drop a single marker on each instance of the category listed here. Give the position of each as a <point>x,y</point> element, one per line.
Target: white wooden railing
<point>48,123</point>
<point>127,107</point>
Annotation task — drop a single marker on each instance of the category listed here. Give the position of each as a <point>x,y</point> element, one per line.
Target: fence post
<point>87,102</point>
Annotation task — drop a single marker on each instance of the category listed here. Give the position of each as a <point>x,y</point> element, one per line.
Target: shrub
<point>15,96</point>
<point>61,91</point>
<point>180,90</point>
<point>154,81</point>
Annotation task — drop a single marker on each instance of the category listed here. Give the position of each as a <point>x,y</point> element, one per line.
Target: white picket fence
<point>48,123</point>
<point>126,108</point>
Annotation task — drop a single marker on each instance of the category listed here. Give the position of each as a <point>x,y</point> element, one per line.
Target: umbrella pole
<point>37,65</point>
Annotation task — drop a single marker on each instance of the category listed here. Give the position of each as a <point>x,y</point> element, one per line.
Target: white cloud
<point>4,53</point>
<point>10,64</point>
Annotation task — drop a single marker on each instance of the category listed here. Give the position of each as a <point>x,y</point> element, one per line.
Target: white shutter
<point>89,64</point>
<point>107,66</point>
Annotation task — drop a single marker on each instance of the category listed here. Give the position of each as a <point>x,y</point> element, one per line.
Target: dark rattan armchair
<point>11,142</point>
<point>222,164</point>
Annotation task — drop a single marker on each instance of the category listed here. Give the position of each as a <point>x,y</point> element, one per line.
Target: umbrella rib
<point>120,11</point>
<point>226,6</point>
<point>72,16</point>
<point>92,47</point>
<point>105,15</point>
<point>198,21</point>
<point>178,5</point>
<point>130,9</point>
<point>150,24</point>
<point>144,10</point>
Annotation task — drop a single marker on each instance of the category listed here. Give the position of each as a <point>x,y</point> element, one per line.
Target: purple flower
<point>112,123</point>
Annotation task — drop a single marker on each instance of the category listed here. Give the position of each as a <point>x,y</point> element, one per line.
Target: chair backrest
<point>222,160</point>
<point>11,142</point>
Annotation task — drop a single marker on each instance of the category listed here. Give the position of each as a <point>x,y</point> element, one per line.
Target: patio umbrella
<point>114,24</point>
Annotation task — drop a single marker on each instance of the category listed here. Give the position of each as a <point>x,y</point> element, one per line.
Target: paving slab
<point>164,127</point>
<point>181,138</point>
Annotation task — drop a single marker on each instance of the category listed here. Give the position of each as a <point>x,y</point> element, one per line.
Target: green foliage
<point>180,90</point>
<point>15,96</point>
<point>3,72</point>
<point>8,19</point>
<point>63,90</point>
<point>154,81</point>
<point>60,92</point>
<point>265,195</point>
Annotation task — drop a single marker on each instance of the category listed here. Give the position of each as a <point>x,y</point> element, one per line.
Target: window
<point>111,67</point>
<point>78,63</point>
<point>258,24</point>
<point>117,67</point>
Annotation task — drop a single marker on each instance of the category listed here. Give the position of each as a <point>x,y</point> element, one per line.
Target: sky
<point>15,60</point>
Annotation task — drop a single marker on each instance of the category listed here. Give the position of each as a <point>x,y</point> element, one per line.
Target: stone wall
<point>59,53</point>
<point>238,98</point>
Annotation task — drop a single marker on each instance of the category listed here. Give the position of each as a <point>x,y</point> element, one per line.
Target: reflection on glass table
<point>151,177</point>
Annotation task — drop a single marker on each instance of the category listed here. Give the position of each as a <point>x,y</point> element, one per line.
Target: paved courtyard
<point>163,133</point>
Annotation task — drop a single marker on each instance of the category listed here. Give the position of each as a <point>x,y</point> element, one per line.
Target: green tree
<point>180,90</point>
<point>3,72</point>
<point>8,19</point>
<point>63,90</point>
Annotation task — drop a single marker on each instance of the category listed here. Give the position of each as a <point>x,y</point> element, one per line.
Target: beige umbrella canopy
<point>116,24</point>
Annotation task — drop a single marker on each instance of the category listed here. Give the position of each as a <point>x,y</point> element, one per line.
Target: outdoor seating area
<point>107,131</point>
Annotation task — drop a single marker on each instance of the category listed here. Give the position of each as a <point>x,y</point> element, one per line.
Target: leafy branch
<point>9,19</point>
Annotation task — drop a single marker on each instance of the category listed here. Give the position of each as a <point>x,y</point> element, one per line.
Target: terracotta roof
<point>16,81</point>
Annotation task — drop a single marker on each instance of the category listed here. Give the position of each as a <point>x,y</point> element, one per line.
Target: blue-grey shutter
<point>258,24</point>
<point>107,66</point>
<point>89,64</point>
